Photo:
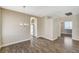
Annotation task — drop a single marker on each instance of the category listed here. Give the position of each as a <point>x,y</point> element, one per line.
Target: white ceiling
<point>45,10</point>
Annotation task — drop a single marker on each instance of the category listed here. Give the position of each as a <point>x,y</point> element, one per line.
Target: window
<point>68,25</point>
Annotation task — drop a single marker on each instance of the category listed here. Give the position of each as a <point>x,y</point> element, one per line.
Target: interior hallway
<point>62,45</point>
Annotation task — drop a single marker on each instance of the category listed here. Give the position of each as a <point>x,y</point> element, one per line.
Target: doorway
<point>33,30</point>
<point>66,28</point>
<point>33,26</point>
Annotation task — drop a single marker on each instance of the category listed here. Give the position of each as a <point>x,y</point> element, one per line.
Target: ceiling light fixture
<point>68,14</point>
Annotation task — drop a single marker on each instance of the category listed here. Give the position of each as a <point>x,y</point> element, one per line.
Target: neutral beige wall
<point>0,26</point>
<point>62,27</point>
<point>39,26</point>
<point>12,30</point>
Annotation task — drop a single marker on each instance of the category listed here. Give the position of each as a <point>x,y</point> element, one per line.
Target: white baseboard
<point>4,45</point>
<point>49,39</point>
<point>76,39</point>
<point>38,36</point>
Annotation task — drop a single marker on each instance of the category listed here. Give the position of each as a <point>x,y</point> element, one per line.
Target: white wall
<point>75,32</point>
<point>56,28</point>
<point>45,28</point>
<point>48,28</point>
<point>12,30</point>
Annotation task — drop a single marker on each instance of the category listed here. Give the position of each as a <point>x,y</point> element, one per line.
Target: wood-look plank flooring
<point>61,45</point>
